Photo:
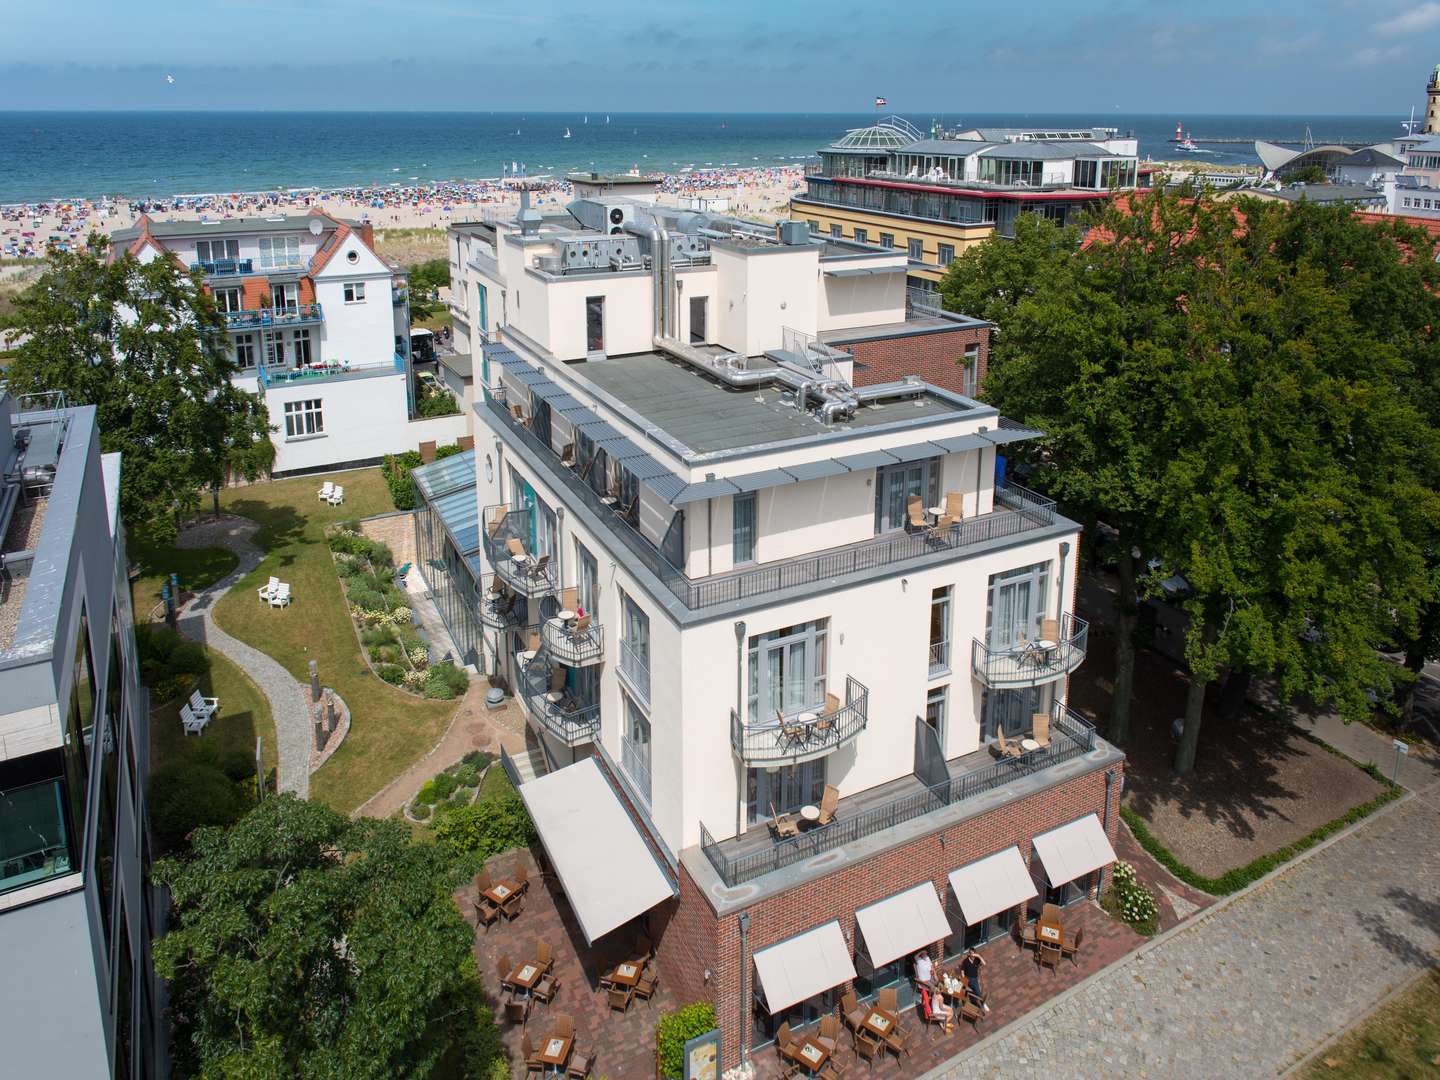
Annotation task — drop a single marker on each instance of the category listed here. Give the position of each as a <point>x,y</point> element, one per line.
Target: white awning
<point>902,924</point>
<point>804,966</point>
<point>1074,850</point>
<point>608,872</point>
<point>991,885</point>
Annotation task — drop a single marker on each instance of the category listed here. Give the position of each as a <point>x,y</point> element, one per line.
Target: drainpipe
<point>979,474</point>
<point>745,970</point>
<point>1109,782</point>
<point>560,549</point>
<point>1060,595</point>
<point>740,714</point>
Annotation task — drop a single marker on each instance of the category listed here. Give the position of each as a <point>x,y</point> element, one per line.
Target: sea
<point>57,155</point>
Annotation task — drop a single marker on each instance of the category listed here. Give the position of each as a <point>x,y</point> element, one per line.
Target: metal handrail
<point>635,670</point>
<point>1070,737</point>
<point>258,318</point>
<point>767,741</point>
<point>940,653</point>
<point>499,529</point>
<point>1022,511</point>
<point>570,648</point>
<point>574,725</point>
<point>225,267</point>
<point>494,609</point>
<point>1024,663</point>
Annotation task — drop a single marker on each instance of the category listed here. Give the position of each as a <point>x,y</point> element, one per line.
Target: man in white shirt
<point>924,968</point>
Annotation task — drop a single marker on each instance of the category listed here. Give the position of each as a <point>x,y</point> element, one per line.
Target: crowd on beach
<point>27,230</point>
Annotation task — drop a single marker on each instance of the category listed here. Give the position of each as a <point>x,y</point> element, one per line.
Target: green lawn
<point>244,714</point>
<point>197,567</point>
<point>390,729</point>
<point>1400,1041</point>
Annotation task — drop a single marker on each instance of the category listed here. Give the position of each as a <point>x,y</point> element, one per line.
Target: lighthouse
<point>1432,103</point>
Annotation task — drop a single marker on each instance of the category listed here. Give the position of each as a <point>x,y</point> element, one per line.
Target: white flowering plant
<point>1129,900</point>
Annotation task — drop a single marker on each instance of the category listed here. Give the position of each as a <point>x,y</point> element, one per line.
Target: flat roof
<point>914,324</point>
<point>279,223</point>
<point>707,416</point>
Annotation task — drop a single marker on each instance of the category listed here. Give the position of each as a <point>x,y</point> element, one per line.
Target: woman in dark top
<point>970,970</point>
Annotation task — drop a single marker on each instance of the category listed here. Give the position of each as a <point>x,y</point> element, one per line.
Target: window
<point>964,937</point>
<point>302,347</point>
<point>354,292</point>
<point>124,998</point>
<point>939,630</point>
<point>947,254</point>
<point>887,239</point>
<point>787,670</point>
<point>227,300</point>
<point>484,309</point>
<point>587,579</point>
<point>1011,711</point>
<point>37,840</point>
<point>275,351</point>
<point>814,225</point>
<point>109,782</point>
<point>1087,173</point>
<point>278,252</point>
<point>635,647</point>
<point>635,747</point>
<point>594,324</point>
<point>783,791</point>
<point>699,305</point>
<point>836,231</point>
<point>935,712</point>
<point>1016,605</point>
<point>245,350</point>
<point>743,528</point>
<point>216,250</point>
<point>303,418</point>
<point>896,484</point>
<point>916,249</point>
<point>972,369</point>
<point>285,297</point>
<point>862,235</point>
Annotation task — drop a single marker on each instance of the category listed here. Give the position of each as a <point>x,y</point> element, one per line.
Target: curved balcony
<point>1030,663</point>
<point>499,608</point>
<point>572,722</point>
<point>805,736</point>
<point>570,644</point>
<point>507,545</point>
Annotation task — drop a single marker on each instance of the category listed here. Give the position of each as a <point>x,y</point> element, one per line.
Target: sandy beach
<point>27,229</point>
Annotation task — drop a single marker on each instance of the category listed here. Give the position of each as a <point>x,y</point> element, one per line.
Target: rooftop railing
<point>793,739</point>
<point>1071,736</point>
<point>1029,663</point>
<point>1016,511</point>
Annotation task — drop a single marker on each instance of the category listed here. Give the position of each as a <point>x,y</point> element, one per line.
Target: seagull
<point>170,78</point>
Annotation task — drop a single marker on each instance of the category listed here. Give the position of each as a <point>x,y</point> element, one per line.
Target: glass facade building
<point>447,543</point>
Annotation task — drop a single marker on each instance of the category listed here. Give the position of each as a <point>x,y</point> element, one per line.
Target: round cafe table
<point>810,813</point>
<point>566,616</point>
<point>1029,744</point>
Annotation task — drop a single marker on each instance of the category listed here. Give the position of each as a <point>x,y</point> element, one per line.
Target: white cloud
<point>1373,56</point>
<point>1421,17</point>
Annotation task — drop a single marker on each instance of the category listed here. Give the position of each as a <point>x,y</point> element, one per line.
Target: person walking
<point>970,969</point>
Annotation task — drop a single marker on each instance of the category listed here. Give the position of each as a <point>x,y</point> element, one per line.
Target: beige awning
<point>803,966</point>
<point>902,924</point>
<point>608,872</point>
<point>1074,850</point>
<point>991,885</point>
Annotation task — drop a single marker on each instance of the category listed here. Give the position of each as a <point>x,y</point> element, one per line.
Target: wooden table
<point>554,1051</point>
<point>525,976</point>
<point>1049,929</point>
<point>812,1054</point>
<point>880,1023</point>
<point>626,974</point>
<point>501,891</point>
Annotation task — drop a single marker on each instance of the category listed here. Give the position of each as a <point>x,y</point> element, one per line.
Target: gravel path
<point>286,695</point>
<point>1252,985</point>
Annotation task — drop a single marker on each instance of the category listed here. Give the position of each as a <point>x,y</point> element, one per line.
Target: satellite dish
<point>315,227</point>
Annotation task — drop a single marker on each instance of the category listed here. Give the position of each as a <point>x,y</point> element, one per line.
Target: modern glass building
<point>77,914</point>
<point>447,539</point>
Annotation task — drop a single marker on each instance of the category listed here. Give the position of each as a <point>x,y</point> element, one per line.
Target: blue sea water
<point>46,155</point>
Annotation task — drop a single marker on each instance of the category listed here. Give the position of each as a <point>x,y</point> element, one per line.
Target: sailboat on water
<point>567,134</point>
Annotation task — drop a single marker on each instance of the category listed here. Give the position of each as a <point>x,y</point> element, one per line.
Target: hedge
<point>675,1030</point>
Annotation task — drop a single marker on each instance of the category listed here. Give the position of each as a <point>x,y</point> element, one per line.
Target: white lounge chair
<point>281,597</point>
<point>267,590</point>
<point>193,724</point>
<point>326,489</point>
<point>337,496</point>
<point>203,706</point>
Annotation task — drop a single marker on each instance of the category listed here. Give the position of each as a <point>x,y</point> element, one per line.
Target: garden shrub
<point>396,471</point>
<point>385,654</point>
<point>377,635</point>
<point>238,765</point>
<point>477,759</point>
<point>467,776</point>
<point>419,810</point>
<point>675,1030</point>
<point>446,681</point>
<point>393,674</point>
<point>1130,901</point>
<point>184,795</point>
<point>426,795</point>
<point>486,828</point>
<point>444,785</point>
<point>169,665</point>
<point>442,452</point>
<point>461,798</point>
<point>368,600</point>
<point>189,658</point>
<point>441,403</point>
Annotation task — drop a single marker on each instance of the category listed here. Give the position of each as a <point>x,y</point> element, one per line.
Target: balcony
<point>571,646</point>
<point>572,722</point>
<point>1017,511</point>
<point>508,539</point>
<point>274,318</point>
<point>225,267</point>
<point>271,377</point>
<point>756,852</point>
<point>1030,663</point>
<point>499,608</point>
<point>800,738</point>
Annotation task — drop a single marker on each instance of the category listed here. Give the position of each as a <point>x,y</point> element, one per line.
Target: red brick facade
<point>695,939</point>
<point>936,357</point>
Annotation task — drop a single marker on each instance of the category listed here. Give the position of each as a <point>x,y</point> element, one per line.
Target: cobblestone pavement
<point>286,696</point>
<point>1252,985</point>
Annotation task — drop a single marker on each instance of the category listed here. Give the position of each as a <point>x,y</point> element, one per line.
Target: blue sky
<point>1200,56</point>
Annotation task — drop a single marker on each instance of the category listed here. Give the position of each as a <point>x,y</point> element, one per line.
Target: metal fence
<point>573,648</point>
<point>1027,663</point>
<point>774,742</point>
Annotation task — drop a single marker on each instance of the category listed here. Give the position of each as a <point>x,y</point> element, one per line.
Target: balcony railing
<point>571,647</point>
<point>264,318</point>
<point>499,607</point>
<point>225,267</point>
<point>1071,736</point>
<point>635,671</point>
<point>570,721</point>
<point>327,369</point>
<point>1029,663</point>
<point>527,575</point>
<point>802,738</point>
<point>1017,511</point>
<point>940,655</point>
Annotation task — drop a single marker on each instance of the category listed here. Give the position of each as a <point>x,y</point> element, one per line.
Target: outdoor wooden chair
<point>503,967</point>
<point>942,528</point>
<point>832,1070</point>
<point>544,958</point>
<point>829,804</point>
<point>915,513</point>
<point>486,914</point>
<point>649,982</point>
<point>539,567</point>
<point>791,731</point>
<point>866,1045</point>
<point>784,826</point>
<point>513,906</point>
<point>1070,946</point>
<point>465,442</point>
<point>888,999</point>
<point>851,1009</point>
<point>427,452</point>
<point>516,548</point>
<point>970,1011</point>
<point>582,1064</point>
<point>1050,630</point>
<point>533,1065</point>
<point>569,599</point>
<point>518,412</point>
<point>545,989</point>
<point>521,877</point>
<point>563,1026</point>
<point>829,1033</point>
<point>517,1010</point>
<point>1048,955</point>
<point>1007,749</point>
<point>618,997</point>
<point>557,680</point>
<point>629,512</point>
<point>644,947</point>
<point>493,525</point>
<point>955,505</point>
<point>581,627</point>
<point>482,883</point>
<point>589,464</point>
<point>930,1014</point>
<point>1040,728</point>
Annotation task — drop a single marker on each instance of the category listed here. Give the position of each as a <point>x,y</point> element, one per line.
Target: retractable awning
<point>1074,850</point>
<point>864,271</point>
<point>991,885</point>
<point>805,965</point>
<point>605,867</point>
<point>902,924</point>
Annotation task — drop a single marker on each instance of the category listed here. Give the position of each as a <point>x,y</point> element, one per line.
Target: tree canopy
<point>144,344</point>
<point>1244,390</point>
<point>305,944</point>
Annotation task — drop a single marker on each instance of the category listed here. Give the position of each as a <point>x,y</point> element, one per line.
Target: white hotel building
<point>318,324</point>
<point>690,473</point>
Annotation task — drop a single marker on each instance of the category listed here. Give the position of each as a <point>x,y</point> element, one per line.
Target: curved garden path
<point>197,622</point>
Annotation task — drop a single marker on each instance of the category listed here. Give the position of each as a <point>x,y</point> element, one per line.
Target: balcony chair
<point>915,513</point>
<point>629,512</point>
<point>537,569</point>
<point>791,732</point>
<point>955,505</point>
<point>518,412</point>
<point>1040,728</point>
<point>493,525</point>
<point>942,529</point>
<point>516,548</point>
<point>567,455</point>
<point>569,599</point>
<point>1007,749</point>
<point>557,685</point>
<point>590,464</point>
<point>829,803</point>
<point>825,722</point>
<point>427,452</point>
<point>1050,630</point>
<point>545,989</point>
<point>1071,946</point>
<point>787,1046</point>
<point>784,826</point>
<point>582,1064</point>
<point>581,628</point>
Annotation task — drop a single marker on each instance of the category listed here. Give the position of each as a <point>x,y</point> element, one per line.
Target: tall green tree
<point>304,944</point>
<point>144,344</point>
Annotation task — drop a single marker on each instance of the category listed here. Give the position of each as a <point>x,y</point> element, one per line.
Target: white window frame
<point>280,252</point>
<point>205,250</point>
<point>247,343</point>
<point>304,418</point>
<point>354,292</point>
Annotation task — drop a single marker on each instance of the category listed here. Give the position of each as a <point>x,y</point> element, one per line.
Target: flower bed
<point>383,620</point>
<point>457,785</point>
<point>1130,901</point>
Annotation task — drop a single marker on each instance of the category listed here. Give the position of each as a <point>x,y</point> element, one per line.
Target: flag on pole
<point>880,102</point>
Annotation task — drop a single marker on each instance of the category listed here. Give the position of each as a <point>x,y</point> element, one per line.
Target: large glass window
<point>743,528</point>
<point>279,252</point>
<point>587,579</point>
<point>80,730</point>
<point>635,746</point>
<point>964,937</point>
<point>124,997</point>
<point>37,841</point>
<point>1012,711</point>
<point>227,300</point>
<point>935,710</point>
<point>635,647</point>
<point>787,670</point>
<point>894,486</point>
<point>109,784</point>
<point>784,790</point>
<point>946,254</point>
<point>304,418</point>
<point>809,1011</point>
<point>915,250</point>
<point>245,350</point>
<point>870,980</point>
<point>940,630</point>
<point>285,297</point>
<point>1017,601</point>
<point>216,251</point>
<point>594,324</point>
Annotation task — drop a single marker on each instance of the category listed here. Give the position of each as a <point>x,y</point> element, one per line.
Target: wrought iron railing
<point>261,318</point>
<point>499,607</point>
<point>571,647</point>
<point>1028,663</point>
<point>528,575</point>
<point>225,267</point>
<point>1017,511</point>
<point>571,722</point>
<point>939,654</point>
<point>1071,735</point>
<point>804,737</point>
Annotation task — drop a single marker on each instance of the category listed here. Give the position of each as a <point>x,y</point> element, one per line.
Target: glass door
<point>1017,606</point>
<point>786,789</point>
<point>1010,711</point>
<point>587,577</point>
